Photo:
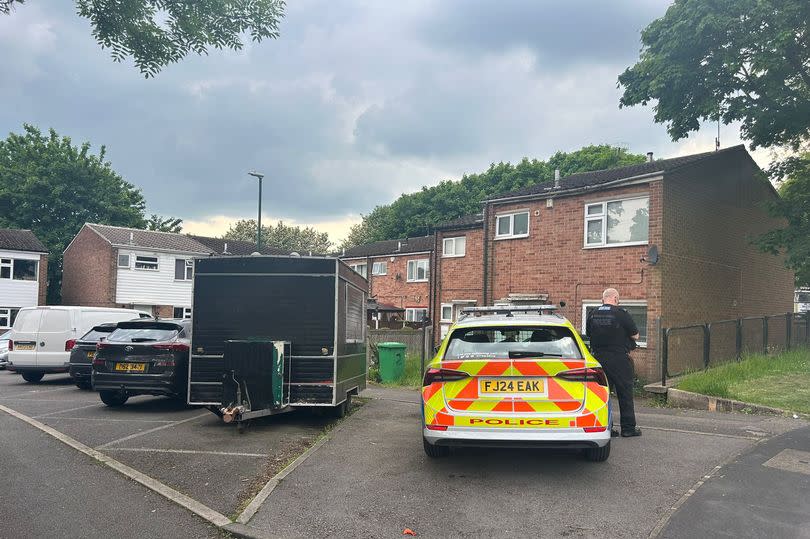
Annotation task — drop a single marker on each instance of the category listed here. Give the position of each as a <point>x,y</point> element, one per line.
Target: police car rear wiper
<point>513,354</point>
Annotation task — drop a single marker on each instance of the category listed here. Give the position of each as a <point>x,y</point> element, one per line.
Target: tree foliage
<point>415,214</point>
<point>794,237</point>
<point>287,238</point>
<point>164,224</point>
<point>156,33</point>
<point>739,60</point>
<point>52,187</point>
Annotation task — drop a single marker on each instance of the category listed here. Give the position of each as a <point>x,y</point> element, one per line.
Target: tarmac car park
<point>515,377</point>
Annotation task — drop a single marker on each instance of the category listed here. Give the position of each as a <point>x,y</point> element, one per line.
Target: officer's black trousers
<point>619,372</point>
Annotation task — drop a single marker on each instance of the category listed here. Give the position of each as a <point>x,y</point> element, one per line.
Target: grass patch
<point>411,376</point>
<point>781,381</point>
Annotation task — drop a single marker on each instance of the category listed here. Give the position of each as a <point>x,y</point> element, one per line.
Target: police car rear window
<point>514,342</point>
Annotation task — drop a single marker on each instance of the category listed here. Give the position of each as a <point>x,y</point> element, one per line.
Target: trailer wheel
<point>342,410</point>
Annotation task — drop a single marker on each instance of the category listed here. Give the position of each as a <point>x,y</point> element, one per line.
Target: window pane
<point>5,318</point>
<point>594,232</point>
<point>521,224</point>
<point>628,221</point>
<point>639,315</point>
<point>461,246</point>
<point>595,209</point>
<point>504,224</point>
<point>447,247</point>
<point>179,271</point>
<point>447,312</point>
<point>146,262</point>
<point>25,270</point>
<point>411,266</point>
<point>123,261</point>
<point>5,272</point>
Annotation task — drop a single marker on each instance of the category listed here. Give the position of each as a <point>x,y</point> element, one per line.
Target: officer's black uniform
<point>609,328</point>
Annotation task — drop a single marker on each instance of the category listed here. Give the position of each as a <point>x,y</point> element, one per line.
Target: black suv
<point>145,357</point>
<point>81,356</point>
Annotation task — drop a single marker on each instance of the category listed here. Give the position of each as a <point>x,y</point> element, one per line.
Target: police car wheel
<point>435,451</point>
<point>598,454</point>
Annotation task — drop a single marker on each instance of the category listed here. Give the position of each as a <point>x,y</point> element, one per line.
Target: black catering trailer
<point>272,333</point>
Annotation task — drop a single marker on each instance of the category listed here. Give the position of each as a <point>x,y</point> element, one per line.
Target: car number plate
<point>512,386</point>
<point>18,346</point>
<point>91,354</point>
<point>130,367</point>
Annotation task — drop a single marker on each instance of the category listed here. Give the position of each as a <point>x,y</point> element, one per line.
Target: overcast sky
<point>356,103</point>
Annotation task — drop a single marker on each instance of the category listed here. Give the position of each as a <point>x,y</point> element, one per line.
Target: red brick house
<point>23,273</point>
<point>570,240</point>
<point>398,272</point>
<point>112,266</point>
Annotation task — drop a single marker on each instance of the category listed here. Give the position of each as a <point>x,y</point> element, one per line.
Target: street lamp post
<point>259,224</point>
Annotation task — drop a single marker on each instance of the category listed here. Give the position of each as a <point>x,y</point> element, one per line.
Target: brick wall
<point>458,278</point>
<point>89,269</point>
<point>552,260</point>
<point>710,268</point>
<point>393,287</point>
<point>43,280</point>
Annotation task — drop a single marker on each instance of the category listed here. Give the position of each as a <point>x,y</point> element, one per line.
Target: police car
<point>515,377</point>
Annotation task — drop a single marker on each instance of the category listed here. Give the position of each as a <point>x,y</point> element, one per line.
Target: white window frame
<point>186,312</point>
<point>453,252</point>
<point>416,264</point>
<point>383,264</point>
<point>5,312</point>
<point>410,313</point>
<point>157,263</point>
<point>188,274</point>
<point>511,234</point>
<point>602,216</point>
<point>627,303</point>
<point>441,312</point>
<point>128,264</point>
<point>7,263</point>
<point>11,262</point>
<point>355,267</point>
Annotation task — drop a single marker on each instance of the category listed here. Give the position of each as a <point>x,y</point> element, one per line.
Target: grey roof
<point>149,239</point>
<point>20,240</point>
<point>475,220</point>
<point>235,247</point>
<point>596,178</point>
<point>391,247</point>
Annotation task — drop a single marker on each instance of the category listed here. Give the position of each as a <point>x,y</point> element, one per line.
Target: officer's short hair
<point>610,293</point>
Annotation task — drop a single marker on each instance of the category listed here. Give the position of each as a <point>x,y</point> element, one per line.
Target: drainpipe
<point>486,255</point>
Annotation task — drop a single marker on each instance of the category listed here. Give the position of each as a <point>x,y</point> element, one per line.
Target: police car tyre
<point>33,377</point>
<point>435,451</point>
<point>113,398</point>
<point>598,454</point>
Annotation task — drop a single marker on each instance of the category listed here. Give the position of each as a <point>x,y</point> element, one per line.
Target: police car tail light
<point>443,375</point>
<point>585,375</point>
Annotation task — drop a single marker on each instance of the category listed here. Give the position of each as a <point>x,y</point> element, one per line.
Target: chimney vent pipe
<point>556,178</point>
<point>649,157</point>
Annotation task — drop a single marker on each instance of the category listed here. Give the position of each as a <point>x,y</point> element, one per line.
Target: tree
<point>416,214</point>
<point>52,187</point>
<point>737,60</point>
<point>794,237</point>
<point>281,236</point>
<point>164,224</point>
<point>156,33</point>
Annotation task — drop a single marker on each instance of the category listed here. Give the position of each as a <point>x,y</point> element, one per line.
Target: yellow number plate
<point>24,346</point>
<point>91,354</point>
<point>513,386</point>
<point>130,367</point>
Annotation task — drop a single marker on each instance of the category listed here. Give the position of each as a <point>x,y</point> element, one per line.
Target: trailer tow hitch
<point>232,413</point>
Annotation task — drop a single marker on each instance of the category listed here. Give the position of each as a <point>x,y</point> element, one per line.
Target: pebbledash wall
<point>702,218</point>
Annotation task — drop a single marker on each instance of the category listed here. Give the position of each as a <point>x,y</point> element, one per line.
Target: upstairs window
<point>149,263</point>
<point>416,314</point>
<point>454,246</point>
<point>362,269</point>
<point>379,268</point>
<point>123,261</point>
<point>5,268</point>
<point>418,270</point>
<point>18,269</point>
<point>512,225</point>
<point>183,270</point>
<point>617,222</point>
<point>182,312</point>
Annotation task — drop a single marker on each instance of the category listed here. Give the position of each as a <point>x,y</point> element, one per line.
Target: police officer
<point>613,333</point>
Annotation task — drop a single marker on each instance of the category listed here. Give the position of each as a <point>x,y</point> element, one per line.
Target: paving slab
<point>372,479</point>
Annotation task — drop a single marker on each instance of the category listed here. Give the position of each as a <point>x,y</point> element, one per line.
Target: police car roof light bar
<point>509,309</point>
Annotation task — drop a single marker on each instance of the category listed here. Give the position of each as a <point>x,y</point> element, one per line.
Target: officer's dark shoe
<point>614,433</point>
<point>627,433</point>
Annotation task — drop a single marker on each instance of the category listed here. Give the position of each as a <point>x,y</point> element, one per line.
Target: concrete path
<point>372,479</point>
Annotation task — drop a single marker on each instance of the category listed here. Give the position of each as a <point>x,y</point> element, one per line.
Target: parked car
<point>4,348</point>
<point>511,377</point>
<point>83,352</point>
<point>42,337</point>
<point>143,357</point>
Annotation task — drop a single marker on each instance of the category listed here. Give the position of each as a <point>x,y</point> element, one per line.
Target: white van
<point>42,337</point>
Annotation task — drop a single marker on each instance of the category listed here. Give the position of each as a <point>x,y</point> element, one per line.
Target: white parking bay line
<point>150,431</point>
<point>94,405</point>
<point>55,417</point>
<point>214,517</point>
<point>187,452</point>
